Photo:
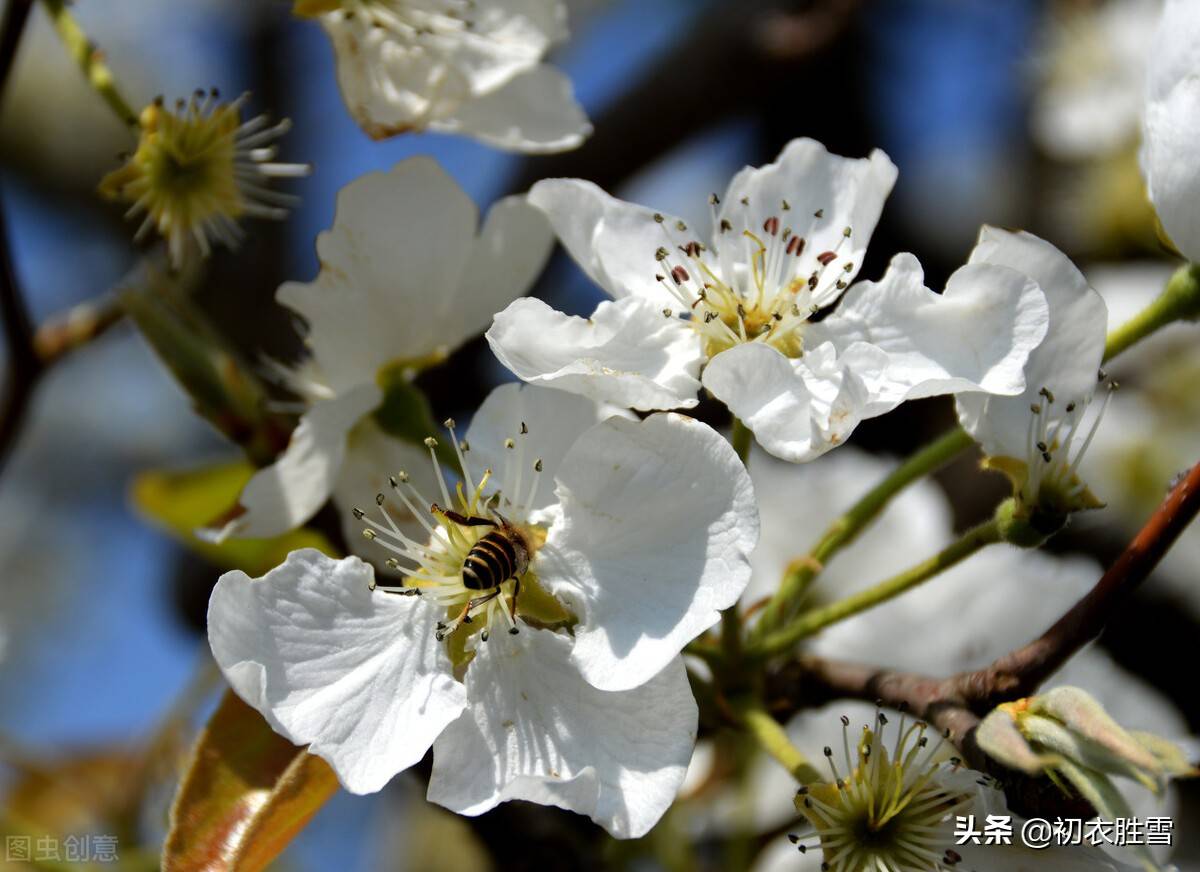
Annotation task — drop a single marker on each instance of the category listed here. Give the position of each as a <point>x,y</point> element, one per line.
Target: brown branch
<point>955,704</point>
<point>23,365</point>
<point>61,334</point>
<point>11,29</point>
<point>1020,673</point>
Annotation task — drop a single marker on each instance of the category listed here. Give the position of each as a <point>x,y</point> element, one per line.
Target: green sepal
<point>998,736</point>
<point>1079,712</point>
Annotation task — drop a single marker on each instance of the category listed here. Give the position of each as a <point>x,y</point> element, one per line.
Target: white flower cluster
<point>541,573</point>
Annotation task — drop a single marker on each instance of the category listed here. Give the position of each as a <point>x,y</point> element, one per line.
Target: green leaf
<point>181,501</point>
<point>246,794</point>
<point>406,414</point>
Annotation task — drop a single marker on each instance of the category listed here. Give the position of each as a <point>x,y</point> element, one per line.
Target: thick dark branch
<point>956,703</point>
<point>23,365</point>
<point>13,25</point>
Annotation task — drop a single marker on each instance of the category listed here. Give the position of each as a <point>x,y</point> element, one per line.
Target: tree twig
<point>23,365</point>
<point>61,334</point>
<point>13,25</point>
<point>955,704</point>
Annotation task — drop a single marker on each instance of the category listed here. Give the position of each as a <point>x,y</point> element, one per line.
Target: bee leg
<point>516,593</point>
<point>463,617</point>
<point>512,607</point>
<point>464,521</point>
<point>398,590</point>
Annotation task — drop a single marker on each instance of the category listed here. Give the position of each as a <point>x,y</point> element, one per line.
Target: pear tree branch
<point>23,366</point>
<point>955,704</point>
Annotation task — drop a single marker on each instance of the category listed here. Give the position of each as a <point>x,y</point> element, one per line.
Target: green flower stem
<point>817,619</point>
<point>1179,301</point>
<point>773,739</point>
<point>802,571</point>
<point>90,60</point>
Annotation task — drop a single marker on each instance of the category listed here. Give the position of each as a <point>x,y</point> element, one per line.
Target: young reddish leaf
<point>246,794</point>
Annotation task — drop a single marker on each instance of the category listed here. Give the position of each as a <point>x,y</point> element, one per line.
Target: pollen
<point>758,283</point>
<point>1056,442</point>
<point>475,556</point>
<point>198,170</point>
<point>887,808</point>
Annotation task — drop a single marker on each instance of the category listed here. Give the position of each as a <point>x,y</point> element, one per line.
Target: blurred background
<point>1021,113</point>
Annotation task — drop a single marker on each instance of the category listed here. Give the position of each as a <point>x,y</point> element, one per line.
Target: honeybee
<point>500,554</point>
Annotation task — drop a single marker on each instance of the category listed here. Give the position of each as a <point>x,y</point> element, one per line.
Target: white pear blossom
<point>787,241</point>
<point>1040,437</point>
<point>1172,125</point>
<point>458,66</point>
<point>911,793</point>
<point>1093,63</point>
<point>406,277</point>
<point>890,801</point>
<point>560,684</point>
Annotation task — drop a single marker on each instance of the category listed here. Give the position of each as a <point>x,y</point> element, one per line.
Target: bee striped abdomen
<point>493,560</point>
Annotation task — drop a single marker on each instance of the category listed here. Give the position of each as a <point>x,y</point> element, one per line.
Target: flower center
<point>480,542</point>
<point>758,284</point>
<point>198,169</point>
<point>887,811</point>
<point>1053,482</point>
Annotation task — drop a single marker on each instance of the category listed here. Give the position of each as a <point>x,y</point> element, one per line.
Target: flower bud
<point>1066,733</point>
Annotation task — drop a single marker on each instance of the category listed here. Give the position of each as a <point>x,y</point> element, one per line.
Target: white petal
<point>658,523</point>
<point>1066,362</point>
<point>536,730</point>
<point>555,421</point>
<point>1175,54</point>
<point>976,336</point>
<point>355,675</point>
<point>287,493</point>
<point>1169,158</point>
<point>506,38</point>
<point>798,408</point>
<point>798,502</point>
<point>390,86</point>
<point>395,257</point>
<point>372,456</point>
<point>627,353</point>
<point>847,192</point>
<point>503,264</point>
<point>535,112</point>
<point>394,80</point>
<point>614,242</point>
